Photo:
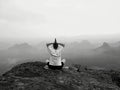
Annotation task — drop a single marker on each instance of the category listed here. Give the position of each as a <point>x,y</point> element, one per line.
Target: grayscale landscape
<point>89,30</point>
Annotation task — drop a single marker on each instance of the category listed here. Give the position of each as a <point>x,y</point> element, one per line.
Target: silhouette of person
<point>55,61</point>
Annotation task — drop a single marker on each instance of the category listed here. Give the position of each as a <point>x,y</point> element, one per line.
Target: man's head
<point>55,44</point>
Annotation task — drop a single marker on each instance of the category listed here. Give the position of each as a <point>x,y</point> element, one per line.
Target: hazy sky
<point>46,18</point>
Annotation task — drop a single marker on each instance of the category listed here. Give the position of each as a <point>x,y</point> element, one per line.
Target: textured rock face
<point>32,76</point>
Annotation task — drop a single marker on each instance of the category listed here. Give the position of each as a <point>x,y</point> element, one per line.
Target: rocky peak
<point>33,76</point>
<point>21,46</point>
<point>105,45</point>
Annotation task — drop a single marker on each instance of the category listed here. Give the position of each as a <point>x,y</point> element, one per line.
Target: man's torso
<point>55,55</point>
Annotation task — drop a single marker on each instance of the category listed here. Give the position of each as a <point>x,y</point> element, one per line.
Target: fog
<point>105,54</point>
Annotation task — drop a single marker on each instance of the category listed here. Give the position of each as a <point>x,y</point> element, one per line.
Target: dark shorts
<point>55,67</point>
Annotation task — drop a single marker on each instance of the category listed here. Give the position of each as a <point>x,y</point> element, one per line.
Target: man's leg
<point>54,67</point>
<point>60,67</point>
<point>50,66</point>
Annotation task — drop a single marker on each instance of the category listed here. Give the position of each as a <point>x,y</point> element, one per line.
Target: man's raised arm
<point>48,44</point>
<point>63,45</point>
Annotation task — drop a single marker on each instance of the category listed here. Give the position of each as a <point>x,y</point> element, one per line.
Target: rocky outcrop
<point>33,76</point>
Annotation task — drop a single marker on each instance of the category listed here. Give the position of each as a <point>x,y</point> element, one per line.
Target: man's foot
<point>46,67</point>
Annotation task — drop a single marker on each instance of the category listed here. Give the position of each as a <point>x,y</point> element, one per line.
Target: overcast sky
<point>46,18</point>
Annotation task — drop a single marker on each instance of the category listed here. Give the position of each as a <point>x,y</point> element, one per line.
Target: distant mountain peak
<point>86,44</point>
<point>21,46</point>
<point>105,45</point>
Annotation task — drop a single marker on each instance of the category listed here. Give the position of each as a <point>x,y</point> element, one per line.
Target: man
<point>55,61</point>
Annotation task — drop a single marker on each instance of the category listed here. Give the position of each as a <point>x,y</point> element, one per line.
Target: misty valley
<point>102,56</point>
